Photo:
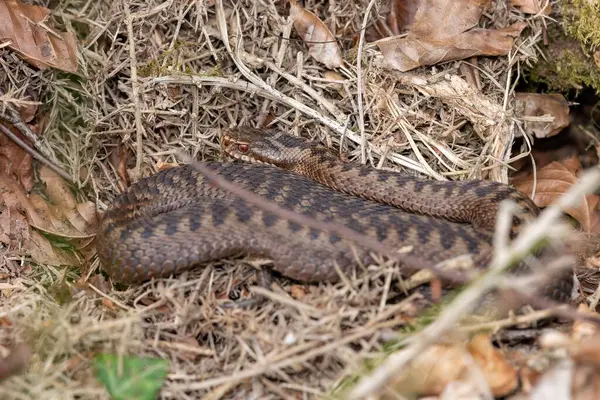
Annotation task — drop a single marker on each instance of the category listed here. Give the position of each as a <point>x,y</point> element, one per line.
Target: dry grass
<point>157,78</point>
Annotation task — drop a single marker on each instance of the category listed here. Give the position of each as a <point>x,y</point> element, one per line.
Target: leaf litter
<point>444,31</point>
<point>304,339</point>
<point>23,27</point>
<point>554,180</point>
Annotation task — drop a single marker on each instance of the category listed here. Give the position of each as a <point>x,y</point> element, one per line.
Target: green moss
<point>569,62</point>
<point>567,69</point>
<point>581,20</point>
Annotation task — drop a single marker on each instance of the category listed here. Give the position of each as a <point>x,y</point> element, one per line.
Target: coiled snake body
<point>176,219</point>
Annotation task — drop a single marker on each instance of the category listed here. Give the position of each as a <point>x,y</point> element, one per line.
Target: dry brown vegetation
<point>160,78</point>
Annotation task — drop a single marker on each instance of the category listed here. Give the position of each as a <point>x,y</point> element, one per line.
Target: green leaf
<point>139,379</point>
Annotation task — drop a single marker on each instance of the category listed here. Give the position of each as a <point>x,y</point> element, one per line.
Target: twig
<point>278,364</point>
<point>200,80</point>
<point>63,174</point>
<point>283,45</point>
<point>12,116</point>
<point>468,299</point>
<point>135,87</point>
<point>506,322</point>
<point>256,80</point>
<point>359,85</point>
<point>323,102</point>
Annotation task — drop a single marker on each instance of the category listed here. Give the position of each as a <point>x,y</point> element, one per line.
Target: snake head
<point>264,146</point>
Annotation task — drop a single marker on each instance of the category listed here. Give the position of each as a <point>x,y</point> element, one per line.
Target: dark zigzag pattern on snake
<point>176,220</point>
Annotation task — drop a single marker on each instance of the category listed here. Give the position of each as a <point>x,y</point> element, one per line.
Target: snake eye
<point>243,148</point>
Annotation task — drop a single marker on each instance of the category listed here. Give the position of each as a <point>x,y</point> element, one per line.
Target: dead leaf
<point>398,17</point>
<point>533,6</point>
<point>81,216</point>
<point>298,291</point>
<point>443,31</point>
<point>321,42</point>
<point>27,110</point>
<point>554,180</point>
<point>438,366</point>
<point>25,28</point>
<point>14,161</point>
<point>42,251</point>
<point>16,361</point>
<point>14,224</point>
<point>500,375</point>
<point>61,215</point>
<point>538,105</point>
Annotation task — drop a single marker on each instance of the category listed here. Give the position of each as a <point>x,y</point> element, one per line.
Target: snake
<point>177,219</point>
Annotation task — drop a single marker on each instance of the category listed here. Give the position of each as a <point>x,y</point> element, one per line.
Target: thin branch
<point>360,83</point>
<point>62,173</point>
<point>11,115</point>
<point>135,87</point>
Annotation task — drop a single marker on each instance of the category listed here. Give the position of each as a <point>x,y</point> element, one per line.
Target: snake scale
<point>175,219</point>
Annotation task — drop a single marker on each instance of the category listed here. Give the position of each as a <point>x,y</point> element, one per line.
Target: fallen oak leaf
<point>537,105</point>
<point>443,31</point>
<point>396,19</point>
<point>22,27</point>
<point>321,43</point>
<point>554,180</point>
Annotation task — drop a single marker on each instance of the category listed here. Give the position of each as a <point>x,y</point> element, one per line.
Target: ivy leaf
<point>137,379</point>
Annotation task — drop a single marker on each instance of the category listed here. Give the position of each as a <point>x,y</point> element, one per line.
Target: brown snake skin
<point>175,220</point>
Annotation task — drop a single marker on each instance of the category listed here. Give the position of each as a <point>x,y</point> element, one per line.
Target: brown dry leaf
<point>537,105</point>
<point>443,31</point>
<point>43,252</point>
<point>597,58</point>
<point>62,216</point>
<point>499,373</point>
<point>298,291</point>
<point>333,76</point>
<point>27,110</point>
<point>13,223</point>
<point>321,42</point>
<point>432,371</point>
<point>16,361</point>
<point>533,6</point>
<point>14,161</point>
<point>397,19</point>
<point>554,180</point>
<point>24,27</point>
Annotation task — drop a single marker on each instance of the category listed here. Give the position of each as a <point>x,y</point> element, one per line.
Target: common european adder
<point>175,219</point>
